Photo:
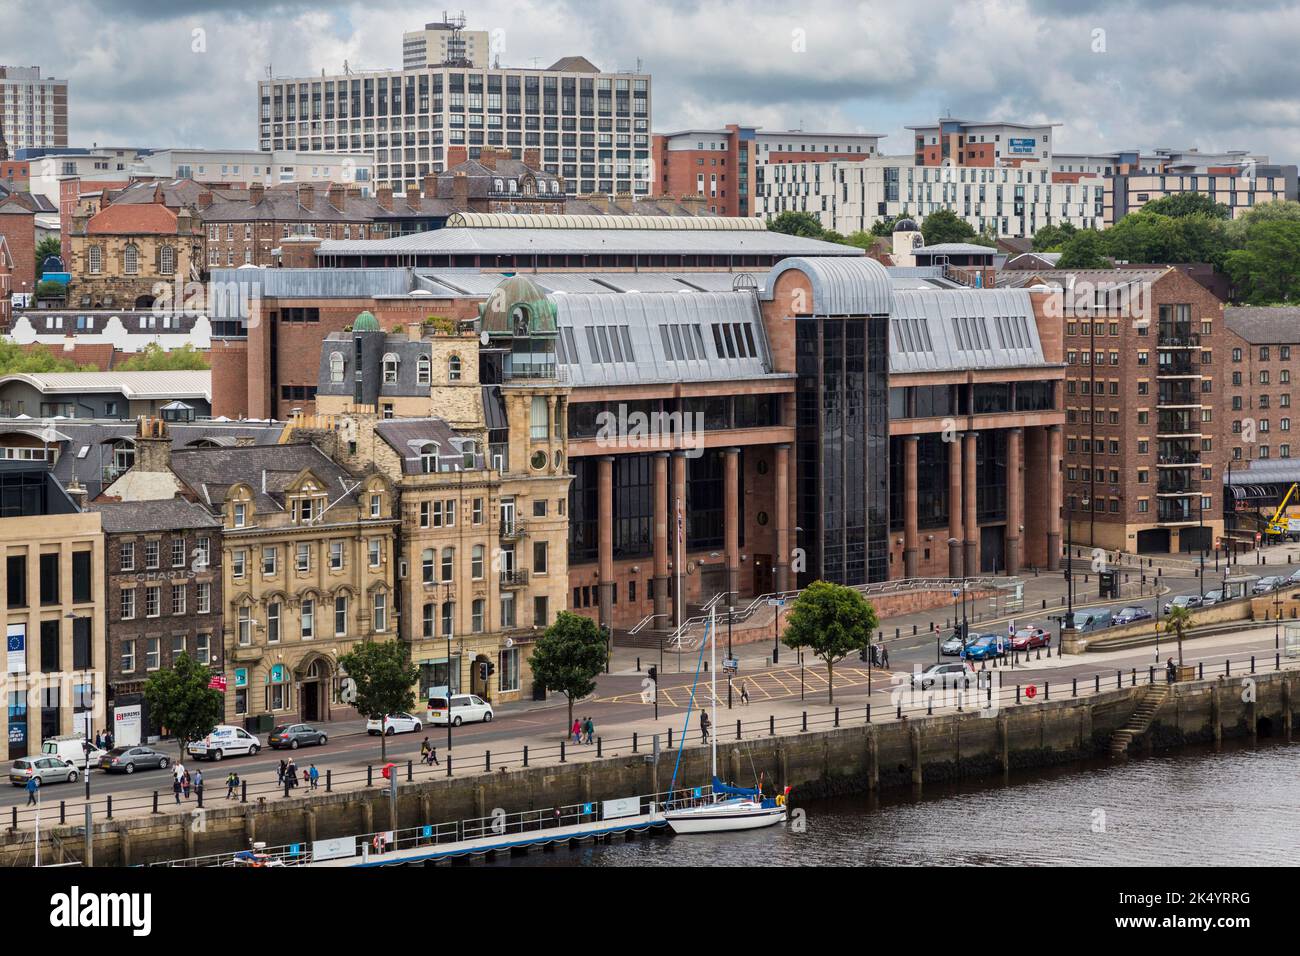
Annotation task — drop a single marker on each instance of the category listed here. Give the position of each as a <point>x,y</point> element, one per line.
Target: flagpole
<point>680,547</point>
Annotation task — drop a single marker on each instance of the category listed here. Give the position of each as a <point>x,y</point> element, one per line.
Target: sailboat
<point>726,808</point>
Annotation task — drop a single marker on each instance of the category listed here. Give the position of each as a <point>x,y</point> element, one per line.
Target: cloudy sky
<point>1116,74</point>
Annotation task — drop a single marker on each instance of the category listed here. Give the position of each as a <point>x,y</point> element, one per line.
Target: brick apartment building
<point>18,227</point>
<point>1261,386</point>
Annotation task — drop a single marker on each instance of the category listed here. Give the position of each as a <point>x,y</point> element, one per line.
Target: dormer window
<point>424,370</point>
<point>336,367</point>
<point>498,185</point>
<point>429,458</point>
<point>555,185</point>
<point>240,518</point>
<point>390,369</point>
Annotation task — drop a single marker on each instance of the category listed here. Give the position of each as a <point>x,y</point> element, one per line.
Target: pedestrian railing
<point>998,685</point>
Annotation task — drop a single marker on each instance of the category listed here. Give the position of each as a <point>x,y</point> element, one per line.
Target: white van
<point>225,741</point>
<point>465,709</point>
<point>70,748</point>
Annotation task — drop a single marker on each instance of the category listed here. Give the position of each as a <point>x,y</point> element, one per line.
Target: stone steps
<point>1140,721</point>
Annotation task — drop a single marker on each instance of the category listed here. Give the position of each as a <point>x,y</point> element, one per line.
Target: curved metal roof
<point>853,285</point>
<point>941,330</point>
<point>510,220</point>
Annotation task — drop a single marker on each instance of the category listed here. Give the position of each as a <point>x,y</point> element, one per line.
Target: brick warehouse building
<point>1144,407</point>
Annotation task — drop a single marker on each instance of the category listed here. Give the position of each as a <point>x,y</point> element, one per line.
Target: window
<point>429,459</point>
<point>128,657</point>
<point>448,616</point>
<point>245,626</point>
<point>308,619</point>
<point>303,562</point>
<point>448,563</point>
<point>131,259</point>
<point>426,566</point>
<point>237,562</point>
<point>476,511</point>
<point>178,599</point>
<point>453,368</point>
<point>376,546</point>
<point>152,601</point>
<point>269,555</point>
<point>376,505</point>
<point>539,557</point>
<point>151,555</point>
<point>128,604</point>
<point>336,367</point>
<point>241,515</point>
<point>336,555</point>
<point>541,606</point>
<point>126,556</point>
<point>203,648</point>
<point>178,552</point>
<point>95,259</point>
<point>341,615</point>
<point>476,562</point>
<point>381,611</point>
<point>152,654</point>
<point>423,370</point>
<point>390,369</point>
<point>539,419</point>
<point>508,670</point>
<point>203,597</point>
<point>178,647</point>
<point>202,552</point>
<point>167,260</point>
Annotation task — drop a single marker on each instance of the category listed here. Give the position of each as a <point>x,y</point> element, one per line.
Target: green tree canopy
<point>1267,270</point>
<point>832,621</point>
<point>1180,622</point>
<point>1154,238</point>
<point>1086,249</point>
<point>17,358</point>
<point>1053,238</point>
<point>944,225</point>
<point>49,246</point>
<point>154,358</point>
<point>181,702</point>
<point>381,677</point>
<point>797,224</point>
<point>1178,205</point>
<point>884,226</point>
<point>568,656</point>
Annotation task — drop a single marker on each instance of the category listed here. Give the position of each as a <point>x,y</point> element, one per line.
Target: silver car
<point>48,769</point>
<point>131,759</point>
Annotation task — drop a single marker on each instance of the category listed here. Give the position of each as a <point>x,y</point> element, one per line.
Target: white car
<point>465,709</point>
<point>393,724</point>
<point>225,741</point>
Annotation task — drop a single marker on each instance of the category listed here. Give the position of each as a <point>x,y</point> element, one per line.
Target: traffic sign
<point>731,665</point>
<point>776,602</point>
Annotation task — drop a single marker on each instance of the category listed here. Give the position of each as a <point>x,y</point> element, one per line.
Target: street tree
<point>182,703</point>
<point>1187,204</point>
<point>793,223</point>
<point>154,358</point>
<point>1054,237</point>
<point>1267,269</point>
<point>944,225</point>
<point>832,621</point>
<point>380,676</point>
<point>568,656</point>
<point>1086,249</point>
<point>1179,620</point>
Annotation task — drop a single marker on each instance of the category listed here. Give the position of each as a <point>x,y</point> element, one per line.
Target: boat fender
<point>780,799</point>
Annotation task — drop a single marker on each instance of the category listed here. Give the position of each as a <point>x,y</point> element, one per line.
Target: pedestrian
<point>108,740</point>
<point>99,740</point>
<point>291,774</point>
<point>313,775</point>
<point>185,784</point>
<point>704,727</point>
<point>232,784</point>
<point>33,784</point>
<point>176,789</point>
<point>306,777</point>
<point>424,750</point>
<point>279,777</point>
<point>431,758</point>
<point>884,656</point>
<point>577,730</point>
<point>590,729</point>
<point>744,693</point>
<point>198,784</point>
<point>1171,671</point>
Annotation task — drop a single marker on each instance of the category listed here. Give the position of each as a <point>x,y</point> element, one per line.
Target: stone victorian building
<point>481,475</point>
<point>306,567</point>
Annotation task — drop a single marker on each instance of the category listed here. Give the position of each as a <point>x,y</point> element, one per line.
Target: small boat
<point>725,808</point>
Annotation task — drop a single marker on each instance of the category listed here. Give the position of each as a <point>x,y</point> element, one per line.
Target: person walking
<point>33,785</point>
<point>744,693</point>
<point>424,750</point>
<point>279,777</point>
<point>884,656</point>
<point>577,730</point>
<point>185,784</point>
<point>589,728</point>
<point>431,758</point>
<point>313,775</point>
<point>1171,671</point>
<point>108,740</point>
<point>291,774</point>
<point>232,784</point>
<point>704,727</point>
<point>176,789</point>
<point>306,777</point>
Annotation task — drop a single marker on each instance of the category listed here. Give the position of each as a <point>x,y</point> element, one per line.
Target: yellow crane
<point>1277,525</point>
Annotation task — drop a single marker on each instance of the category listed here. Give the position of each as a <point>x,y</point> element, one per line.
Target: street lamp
<point>1200,498</point>
<point>731,613</point>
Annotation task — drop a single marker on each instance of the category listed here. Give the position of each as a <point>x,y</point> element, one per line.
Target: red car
<point>1030,637</point>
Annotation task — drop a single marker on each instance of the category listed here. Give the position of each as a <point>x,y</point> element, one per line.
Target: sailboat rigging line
<point>689,706</point>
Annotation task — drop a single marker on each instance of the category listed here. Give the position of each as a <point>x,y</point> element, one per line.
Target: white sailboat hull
<point>724,817</point>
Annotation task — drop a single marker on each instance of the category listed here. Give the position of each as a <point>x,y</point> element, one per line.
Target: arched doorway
<point>314,696</point>
<point>479,678</point>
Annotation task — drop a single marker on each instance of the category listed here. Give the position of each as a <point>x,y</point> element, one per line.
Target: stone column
<point>605,537</point>
<point>955,528</point>
<point>972,544</point>
<point>1015,500</point>
<point>1054,501</point>
<point>678,551</point>
<point>661,537</point>
<point>910,536</point>
<point>731,520</point>
<point>781,513</point>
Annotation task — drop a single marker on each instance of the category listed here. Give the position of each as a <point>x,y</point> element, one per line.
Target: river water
<point>1196,807</point>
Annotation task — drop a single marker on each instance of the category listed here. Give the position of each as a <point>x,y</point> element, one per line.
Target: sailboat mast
<point>713,688</point>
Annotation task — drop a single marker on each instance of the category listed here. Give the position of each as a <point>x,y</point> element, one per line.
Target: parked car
<point>1093,619</point>
<point>1131,615</point>
<point>1031,637</point>
<point>393,724</point>
<point>954,645</point>
<point>1295,577</point>
<point>48,768</point>
<point>131,759</point>
<point>293,736</point>
<point>225,741</point>
<point>72,749</point>
<point>1189,601</point>
<point>986,646</point>
<point>1269,584</point>
<point>1212,597</point>
<point>950,672</point>
<point>465,709</point>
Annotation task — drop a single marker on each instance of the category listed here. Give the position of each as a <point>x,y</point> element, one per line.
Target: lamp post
<point>952,543</point>
<point>1200,517</point>
<point>731,613</point>
<point>446,596</point>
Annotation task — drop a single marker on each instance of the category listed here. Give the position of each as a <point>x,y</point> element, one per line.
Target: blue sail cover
<point>728,791</point>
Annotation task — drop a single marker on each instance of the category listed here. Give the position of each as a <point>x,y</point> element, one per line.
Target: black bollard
<point>243,788</point>
<point>487,761</point>
<point>737,729</point>
<point>633,744</point>
<point>563,742</point>
<point>837,716</point>
<point>1096,687</point>
<point>1074,687</point>
<point>771,725</point>
<point>370,776</point>
<point>410,771</point>
<point>155,801</point>
<point>525,755</point>
<point>449,763</point>
<point>110,806</point>
<point>868,713</point>
<point>805,721</point>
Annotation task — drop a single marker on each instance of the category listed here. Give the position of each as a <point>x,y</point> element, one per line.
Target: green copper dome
<point>518,307</point>
<point>366,322</point>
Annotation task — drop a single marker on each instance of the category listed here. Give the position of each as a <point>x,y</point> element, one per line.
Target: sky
<point>1116,74</point>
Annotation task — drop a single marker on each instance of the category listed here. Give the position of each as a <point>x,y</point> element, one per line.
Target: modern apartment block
<point>445,42</point>
<point>53,582</point>
<point>592,127</point>
<point>728,166</point>
<point>957,142</point>
<point>33,109</point>
<point>1261,344</point>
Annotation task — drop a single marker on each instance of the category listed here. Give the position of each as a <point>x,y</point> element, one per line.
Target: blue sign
<point>426,831</point>
<point>1020,145</point>
<point>588,808</point>
<point>295,849</point>
<point>699,792</point>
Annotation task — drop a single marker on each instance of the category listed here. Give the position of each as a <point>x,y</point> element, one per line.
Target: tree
<point>861,239</point>
<point>1086,249</point>
<point>49,246</point>
<point>568,656</point>
<point>1180,622</point>
<point>884,226</point>
<point>832,621</point>
<point>181,702</point>
<point>1155,238</point>
<point>797,224</point>
<point>49,289</point>
<point>1267,270</point>
<point>1186,204</point>
<point>381,676</point>
<point>37,358</point>
<point>1054,238</point>
<point>154,358</point>
<point>1279,209</point>
<point>944,225</point>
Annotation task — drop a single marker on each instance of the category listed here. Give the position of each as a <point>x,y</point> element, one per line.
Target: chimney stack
<point>306,195</point>
<point>153,445</point>
<point>256,192</point>
<point>431,186</point>
<point>460,192</point>
<point>205,199</point>
<point>384,195</point>
<point>457,155</point>
<point>487,156</point>
<point>533,157</point>
<point>337,196</point>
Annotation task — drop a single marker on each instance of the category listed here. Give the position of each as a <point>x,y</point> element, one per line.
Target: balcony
<point>1178,394</point>
<point>513,530</point>
<point>514,578</point>
<point>1177,482</point>
<point>1177,511</point>
<point>1177,364</point>
<point>1178,337</point>
<point>1181,423</point>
